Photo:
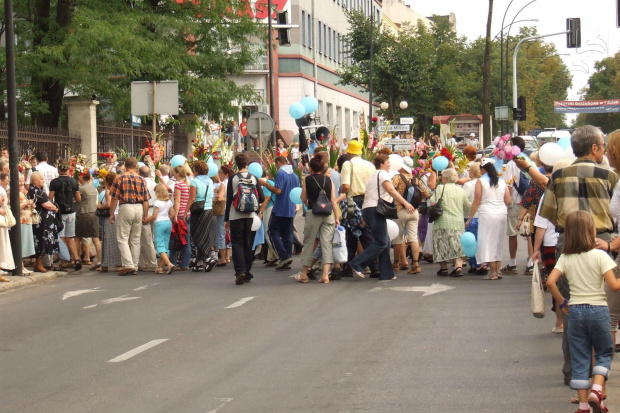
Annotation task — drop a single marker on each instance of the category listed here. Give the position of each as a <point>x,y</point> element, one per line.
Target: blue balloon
<point>311,104</point>
<point>92,171</point>
<point>256,169</point>
<point>297,110</point>
<point>177,160</point>
<point>213,169</point>
<point>470,250</point>
<point>96,183</point>
<point>564,143</point>
<point>440,163</point>
<point>467,239</point>
<point>499,164</point>
<point>295,195</point>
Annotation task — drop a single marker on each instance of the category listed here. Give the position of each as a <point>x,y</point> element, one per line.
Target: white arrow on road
<point>225,400</point>
<point>430,290</point>
<point>125,297</point>
<point>70,294</point>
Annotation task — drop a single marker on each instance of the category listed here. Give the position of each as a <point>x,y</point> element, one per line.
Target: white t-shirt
<point>163,210</point>
<point>150,186</point>
<point>473,142</point>
<point>511,176</point>
<point>551,236</point>
<point>585,276</point>
<point>371,198</point>
<point>470,189</point>
<point>295,152</point>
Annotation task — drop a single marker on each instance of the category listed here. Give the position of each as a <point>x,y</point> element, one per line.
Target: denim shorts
<point>588,328</point>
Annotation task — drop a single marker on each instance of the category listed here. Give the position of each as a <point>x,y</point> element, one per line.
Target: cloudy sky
<point>600,37</point>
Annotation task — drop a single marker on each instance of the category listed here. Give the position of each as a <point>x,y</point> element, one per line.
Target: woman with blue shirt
<point>271,259</point>
<point>202,224</point>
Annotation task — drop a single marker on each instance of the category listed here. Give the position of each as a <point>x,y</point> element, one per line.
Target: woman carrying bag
<point>379,190</point>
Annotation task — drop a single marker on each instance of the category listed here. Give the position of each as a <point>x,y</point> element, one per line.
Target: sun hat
<point>485,161</point>
<point>354,148</point>
<point>408,164</point>
<point>472,134</point>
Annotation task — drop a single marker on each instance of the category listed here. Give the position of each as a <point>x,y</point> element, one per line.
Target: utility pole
<point>272,102</point>
<point>372,23</point>
<point>16,235</point>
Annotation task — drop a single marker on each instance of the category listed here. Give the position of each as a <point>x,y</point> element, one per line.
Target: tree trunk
<point>486,82</point>
<point>49,89</point>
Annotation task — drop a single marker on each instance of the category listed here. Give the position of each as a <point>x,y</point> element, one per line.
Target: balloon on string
<point>297,110</point>
<point>256,169</point>
<point>96,183</point>
<point>470,250</point>
<point>213,169</point>
<point>177,160</point>
<point>440,163</point>
<point>396,162</point>
<point>469,244</point>
<point>310,104</point>
<point>295,196</point>
<point>550,153</point>
<point>392,229</point>
<point>256,223</point>
<point>564,143</point>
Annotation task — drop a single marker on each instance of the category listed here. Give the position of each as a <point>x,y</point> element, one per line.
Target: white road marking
<point>226,401</point>
<point>430,290</point>
<point>90,306</point>
<point>119,299</point>
<point>137,350</point>
<point>70,294</point>
<point>240,302</point>
<point>144,287</point>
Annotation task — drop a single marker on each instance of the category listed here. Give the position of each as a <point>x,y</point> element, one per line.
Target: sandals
<point>595,400</point>
<point>170,269</point>
<point>457,272</point>
<point>301,280</point>
<point>492,277</point>
<point>415,269</point>
<point>322,281</point>
<point>159,271</point>
<point>443,273</point>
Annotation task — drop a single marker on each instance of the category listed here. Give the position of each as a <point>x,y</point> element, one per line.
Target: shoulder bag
<point>322,205</point>
<point>7,220</point>
<point>350,201</point>
<point>385,208</point>
<point>199,206</point>
<point>537,299</point>
<point>436,211</point>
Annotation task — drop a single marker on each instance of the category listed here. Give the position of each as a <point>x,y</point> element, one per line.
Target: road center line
<point>137,350</point>
<point>240,302</point>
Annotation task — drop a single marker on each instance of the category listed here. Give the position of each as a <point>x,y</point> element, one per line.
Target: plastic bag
<point>339,245</point>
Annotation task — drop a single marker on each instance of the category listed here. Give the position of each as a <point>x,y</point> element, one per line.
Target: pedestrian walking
<point>163,213</point>
<point>148,259</point>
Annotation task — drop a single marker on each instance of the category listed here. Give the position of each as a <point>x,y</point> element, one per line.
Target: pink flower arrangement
<point>503,149</point>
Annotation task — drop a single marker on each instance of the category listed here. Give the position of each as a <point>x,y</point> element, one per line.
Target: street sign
<point>261,126</point>
<point>501,112</point>
<point>406,121</point>
<point>394,128</point>
<point>161,98</point>
<point>398,144</point>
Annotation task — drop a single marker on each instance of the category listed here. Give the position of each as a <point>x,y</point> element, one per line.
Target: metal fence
<point>131,140</point>
<point>57,143</point>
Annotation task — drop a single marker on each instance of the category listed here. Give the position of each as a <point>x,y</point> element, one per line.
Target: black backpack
<point>64,198</point>
<point>323,205</point>
<point>412,194</point>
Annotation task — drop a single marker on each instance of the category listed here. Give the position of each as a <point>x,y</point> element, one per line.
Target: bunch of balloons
<point>307,105</point>
<point>469,244</point>
<point>552,152</point>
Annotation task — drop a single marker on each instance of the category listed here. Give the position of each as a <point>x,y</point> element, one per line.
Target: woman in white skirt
<point>490,201</point>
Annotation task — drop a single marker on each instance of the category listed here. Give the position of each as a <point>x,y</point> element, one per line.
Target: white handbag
<point>7,220</point>
<point>537,297</point>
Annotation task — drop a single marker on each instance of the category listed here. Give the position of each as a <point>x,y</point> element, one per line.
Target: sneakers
<point>557,330</point>
<point>509,269</point>
<point>529,270</point>
<point>284,264</point>
<point>210,264</point>
<point>239,278</point>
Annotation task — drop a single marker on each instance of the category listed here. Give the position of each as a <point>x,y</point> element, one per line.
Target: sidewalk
<point>35,277</point>
<point>613,386</point>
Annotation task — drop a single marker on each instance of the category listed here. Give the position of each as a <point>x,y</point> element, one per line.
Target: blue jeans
<point>186,251</point>
<point>473,228</point>
<point>220,233</point>
<point>379,248</point>
<point>588,327</point>
<point>281,236</point>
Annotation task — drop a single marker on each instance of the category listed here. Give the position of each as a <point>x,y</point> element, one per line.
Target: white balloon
<point>396,162</point>
<point>550,153</point>
<point>392,229</point>
<point>569,154</point>
<point>256,223</point>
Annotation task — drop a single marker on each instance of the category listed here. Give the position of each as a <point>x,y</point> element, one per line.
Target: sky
<point>600,37</point>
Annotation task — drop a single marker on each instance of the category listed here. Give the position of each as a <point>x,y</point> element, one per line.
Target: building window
<point>320,43</point>
<point>324,39</point>
<point>329,43</point>
<point>309,25</point>
<point>338,57</point>
<point>303,27</point>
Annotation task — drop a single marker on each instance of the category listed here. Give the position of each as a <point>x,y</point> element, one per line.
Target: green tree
<point>98,47</point>
<point>603,84</point>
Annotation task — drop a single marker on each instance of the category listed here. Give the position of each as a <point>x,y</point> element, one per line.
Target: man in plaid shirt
<point>130,190</point>
<point>585,186</point>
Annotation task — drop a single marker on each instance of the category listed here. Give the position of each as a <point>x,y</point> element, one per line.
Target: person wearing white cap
<point>490,201</point>
<point>472,140</point>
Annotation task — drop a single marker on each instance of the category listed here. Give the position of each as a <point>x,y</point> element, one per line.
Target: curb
<point>17,281</point>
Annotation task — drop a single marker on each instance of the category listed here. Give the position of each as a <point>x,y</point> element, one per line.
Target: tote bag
<point>537,297</point>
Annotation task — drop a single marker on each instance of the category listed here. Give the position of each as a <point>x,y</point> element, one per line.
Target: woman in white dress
<point>490,201</point>
<point>6,254</point>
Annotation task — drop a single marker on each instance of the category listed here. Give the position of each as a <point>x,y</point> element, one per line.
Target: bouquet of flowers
<point>503,150</point>
<point>77,165</point>
<point>227,153</point>
<point>154,148</point>
<point>202,151</point>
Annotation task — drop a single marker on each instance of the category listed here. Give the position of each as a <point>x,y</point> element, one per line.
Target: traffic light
<point>284,38</point>
<point>573,35</point>
<point>520,112</point>
<point>617,13</point>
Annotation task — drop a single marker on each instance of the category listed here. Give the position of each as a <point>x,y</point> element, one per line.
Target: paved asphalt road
<point>74,345</point>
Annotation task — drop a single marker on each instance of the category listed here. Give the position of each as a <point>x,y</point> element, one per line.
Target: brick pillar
<point>82,117</point>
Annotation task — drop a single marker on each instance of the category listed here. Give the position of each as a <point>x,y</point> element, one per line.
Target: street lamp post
<point>501,65</point>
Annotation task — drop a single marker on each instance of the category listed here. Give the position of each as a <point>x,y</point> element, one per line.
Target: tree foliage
<point>98,47</point>
<point>603,84</point>
<point>438,73</point>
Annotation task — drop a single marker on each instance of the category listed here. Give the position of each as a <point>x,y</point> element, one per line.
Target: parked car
<point>552,135</point>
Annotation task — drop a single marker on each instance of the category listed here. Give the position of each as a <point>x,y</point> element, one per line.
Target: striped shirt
<point>182,187</point>
<point>584,186</point>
